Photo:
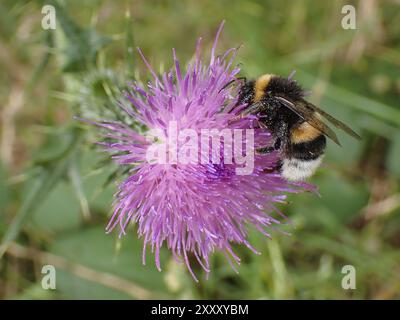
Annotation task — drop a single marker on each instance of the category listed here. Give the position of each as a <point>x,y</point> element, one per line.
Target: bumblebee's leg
<point>274,169</point>
<point>265,150</point>
<point>278,143</point>
<point>270,149</point>
<point>253,108</point>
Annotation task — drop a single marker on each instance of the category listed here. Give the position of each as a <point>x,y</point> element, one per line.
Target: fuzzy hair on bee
<point>295,124</point>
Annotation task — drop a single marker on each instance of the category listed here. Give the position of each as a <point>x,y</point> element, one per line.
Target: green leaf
<point>50,174</point>
<point>58,212</point>
<point>95,249</point>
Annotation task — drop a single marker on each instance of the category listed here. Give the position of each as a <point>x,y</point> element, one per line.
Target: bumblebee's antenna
<point>291,75</point>
<point>232,81</point>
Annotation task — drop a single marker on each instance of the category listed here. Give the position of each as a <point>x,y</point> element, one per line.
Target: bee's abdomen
<point>309,150</point>
<point>303,159</point>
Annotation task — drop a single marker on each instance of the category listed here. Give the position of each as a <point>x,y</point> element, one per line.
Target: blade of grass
<point>129,45</point>
<point>75,177</point>
<point>320,51</point>
<point>281,286</point>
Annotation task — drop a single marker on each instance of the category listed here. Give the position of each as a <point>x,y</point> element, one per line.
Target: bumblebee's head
<point>246,92</point>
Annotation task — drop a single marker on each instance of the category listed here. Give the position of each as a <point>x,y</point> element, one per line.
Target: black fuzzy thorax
<point>286,87</point>
<point>271,112</point>
<point>276,116</point>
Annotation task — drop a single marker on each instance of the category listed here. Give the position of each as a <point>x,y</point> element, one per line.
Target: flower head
<point>192,207</point>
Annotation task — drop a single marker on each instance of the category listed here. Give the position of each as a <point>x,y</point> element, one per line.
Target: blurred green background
<point>56,188</point>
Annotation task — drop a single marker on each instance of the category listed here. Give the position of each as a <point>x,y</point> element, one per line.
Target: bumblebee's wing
<point>333,120</point>
<point>307,113</point>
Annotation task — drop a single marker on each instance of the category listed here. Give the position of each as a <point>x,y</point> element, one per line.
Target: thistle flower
<point>192,208</point>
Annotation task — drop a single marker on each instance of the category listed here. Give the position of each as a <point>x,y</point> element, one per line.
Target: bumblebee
<point>295,124</point>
